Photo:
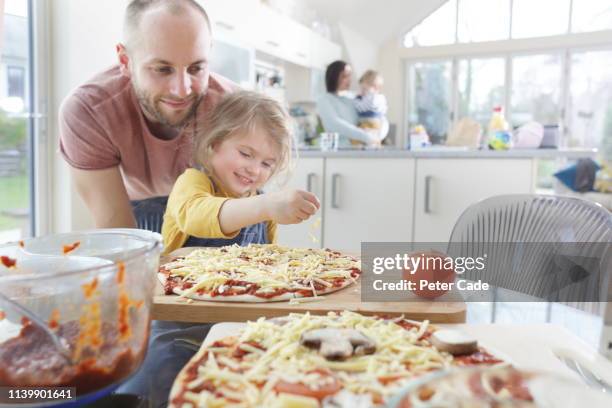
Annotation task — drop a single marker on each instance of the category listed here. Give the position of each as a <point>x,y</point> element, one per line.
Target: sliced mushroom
<point>338,344</point>
<point>454,342</point>
<point>280,321</point>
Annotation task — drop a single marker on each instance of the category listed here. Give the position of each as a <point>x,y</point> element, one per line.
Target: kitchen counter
<point>451,152</point>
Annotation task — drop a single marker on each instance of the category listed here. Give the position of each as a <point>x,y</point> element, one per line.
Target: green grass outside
<point>14,195</point>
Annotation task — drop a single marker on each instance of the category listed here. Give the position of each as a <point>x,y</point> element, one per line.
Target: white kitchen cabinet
<point>446,187</point>
<point>296,43</point>
<point>308,175</point>
<point>269,35</point>
<point>270,32</point>
<point>323,51</point>
<point>306,84</point>
<point>227,23</point>
<point>367,199</point>
<point>282,37</point>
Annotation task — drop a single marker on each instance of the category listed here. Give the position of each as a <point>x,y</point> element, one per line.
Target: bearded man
<point>127,133</point>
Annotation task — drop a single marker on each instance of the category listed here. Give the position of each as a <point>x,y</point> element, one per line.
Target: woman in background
<point>337,111</point>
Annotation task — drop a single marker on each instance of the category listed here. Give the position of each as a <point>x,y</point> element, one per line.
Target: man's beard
<point>151,108</point>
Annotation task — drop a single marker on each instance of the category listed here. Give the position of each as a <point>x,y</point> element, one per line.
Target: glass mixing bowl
<point>75,309</point>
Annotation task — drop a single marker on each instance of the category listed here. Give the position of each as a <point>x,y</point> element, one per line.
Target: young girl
<point>245,142</point>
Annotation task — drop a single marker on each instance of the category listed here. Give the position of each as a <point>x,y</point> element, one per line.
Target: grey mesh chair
<point>533,218</point>
<point>149,213</point>
<point>539,233</point>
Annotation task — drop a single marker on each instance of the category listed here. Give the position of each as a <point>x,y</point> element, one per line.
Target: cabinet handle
<point>309,179</point>
<point>335,186</point>
<point>427,191</point>
<point>272,43</point>
<point>225,25</point>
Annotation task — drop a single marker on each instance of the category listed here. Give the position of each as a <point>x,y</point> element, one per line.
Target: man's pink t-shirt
<point>102,126</point>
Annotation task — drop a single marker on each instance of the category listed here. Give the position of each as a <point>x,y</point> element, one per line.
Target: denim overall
<point>252,234</point>
<point>149,214</point>
<point>167,353</point>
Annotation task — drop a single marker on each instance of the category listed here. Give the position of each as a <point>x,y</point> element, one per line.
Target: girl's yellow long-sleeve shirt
<point>193,210</point>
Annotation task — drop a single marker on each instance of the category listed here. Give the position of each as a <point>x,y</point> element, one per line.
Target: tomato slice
<point>405,402</point>
<point>70,247</point>
<point>387,379</point>
<point>302,389</point>
<point>8,261</point>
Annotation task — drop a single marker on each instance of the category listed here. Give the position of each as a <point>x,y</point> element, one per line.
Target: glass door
<point>590,120</point>
<point>16,152</point>
<point>481,87</point>
<point>429,100</point>
<point>536,89</point>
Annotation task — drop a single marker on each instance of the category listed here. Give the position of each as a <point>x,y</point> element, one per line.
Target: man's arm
<point>106,197</point>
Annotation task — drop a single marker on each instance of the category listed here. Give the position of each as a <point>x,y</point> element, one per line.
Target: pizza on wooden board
<point>337,360</point>
<point>258,273</point>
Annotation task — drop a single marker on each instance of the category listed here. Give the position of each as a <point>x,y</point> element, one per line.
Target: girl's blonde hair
<point>239,113</point>
<point>369,77</point>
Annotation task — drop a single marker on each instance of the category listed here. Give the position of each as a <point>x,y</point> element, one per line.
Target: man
<point>127,133</point>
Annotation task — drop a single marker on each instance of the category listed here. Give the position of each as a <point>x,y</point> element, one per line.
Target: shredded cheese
<point>270,267</point>
<point>400,355</point>
<point>298,301</point>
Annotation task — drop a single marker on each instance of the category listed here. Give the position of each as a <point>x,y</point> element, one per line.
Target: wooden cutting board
<point>446,309</point>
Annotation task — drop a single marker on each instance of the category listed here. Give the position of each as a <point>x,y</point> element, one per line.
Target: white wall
<point>82,42</point>
<point>391,68</point>
<point>360,52</point>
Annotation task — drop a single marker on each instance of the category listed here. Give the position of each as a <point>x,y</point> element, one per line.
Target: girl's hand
<point>291,206</point>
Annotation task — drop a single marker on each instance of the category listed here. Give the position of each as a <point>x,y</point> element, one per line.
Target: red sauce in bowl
<point>31,359</point>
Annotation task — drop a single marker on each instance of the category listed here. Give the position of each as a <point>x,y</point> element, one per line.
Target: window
<point>430,97</point>
<point>591,101</point>
<point>567,88</point>
<point>537,18</point>
<point>534,93</point>
<point>483,20</point>
<point>16,178</point>
<point>468,21</point>
<point>536,89</point>
<point>438,28</point>
<point>16,81</point>
<point>481,86</point>
<point>591,15</point>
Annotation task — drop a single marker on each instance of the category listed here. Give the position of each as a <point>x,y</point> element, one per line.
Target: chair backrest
<point>533,218</point>
<point>149,213</point>
<point>540,232</point>
<point>150,222</point>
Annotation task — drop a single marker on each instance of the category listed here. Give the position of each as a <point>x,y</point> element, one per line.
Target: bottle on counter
<point>419,138</point>
<point>498,135</point>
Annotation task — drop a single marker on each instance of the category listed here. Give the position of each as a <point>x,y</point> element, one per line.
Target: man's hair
<point>332,74</point>
<point>239,113</point>
<point>137,8</point>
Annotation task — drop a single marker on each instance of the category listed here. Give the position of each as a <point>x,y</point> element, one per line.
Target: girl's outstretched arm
<point>283,207</point>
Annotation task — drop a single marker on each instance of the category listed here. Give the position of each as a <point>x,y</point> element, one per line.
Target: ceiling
<point>379,21</point>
